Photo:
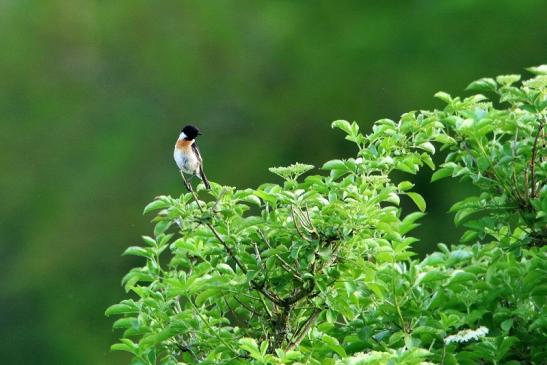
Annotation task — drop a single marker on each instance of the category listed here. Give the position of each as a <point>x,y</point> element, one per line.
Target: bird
<point>187,155</point>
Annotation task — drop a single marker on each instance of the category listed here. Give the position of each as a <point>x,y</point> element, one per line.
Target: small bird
<point>187,155</point>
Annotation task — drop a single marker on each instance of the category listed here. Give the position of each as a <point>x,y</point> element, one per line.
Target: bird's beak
<point>199,133</point>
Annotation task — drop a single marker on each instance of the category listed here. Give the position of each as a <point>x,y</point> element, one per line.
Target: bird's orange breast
<point>183,144</point>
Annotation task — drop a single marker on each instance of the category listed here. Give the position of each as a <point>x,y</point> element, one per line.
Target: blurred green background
<point>94,93</point>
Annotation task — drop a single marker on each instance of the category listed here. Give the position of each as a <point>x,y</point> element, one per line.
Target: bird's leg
<point>188,186</point>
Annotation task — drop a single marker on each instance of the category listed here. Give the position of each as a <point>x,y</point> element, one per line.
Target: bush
<point>320,270</point>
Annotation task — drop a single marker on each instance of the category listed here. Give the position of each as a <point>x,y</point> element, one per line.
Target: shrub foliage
<point>320,269</point>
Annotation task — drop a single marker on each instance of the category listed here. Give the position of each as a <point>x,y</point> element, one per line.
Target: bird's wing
<point>200,171</point>
<point>196,151</point>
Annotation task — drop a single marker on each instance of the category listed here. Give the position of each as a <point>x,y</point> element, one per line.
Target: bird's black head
<point>191,132</point>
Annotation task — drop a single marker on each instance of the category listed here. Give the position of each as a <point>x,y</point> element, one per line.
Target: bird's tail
<point>204,178</point>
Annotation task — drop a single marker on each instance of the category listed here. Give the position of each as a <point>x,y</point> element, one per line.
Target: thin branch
<point>533,163</point>
<point>229,307</point>
<point>266,307</point>
<point>302,332</point>
<point>247,307</point>
<point>305,221</point>
<point>227,248</point>
<point>205,322</point>
<point>189,187</point>
<point>272,297</point>
<point>296,226</point>
<point>289,269</point>
<point>220,195</point>
<point>514,174</point>
<point>284,264</point>
<point>310,222</point>
<point>258,257</point>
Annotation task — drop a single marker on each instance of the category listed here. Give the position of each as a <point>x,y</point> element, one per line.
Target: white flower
<point>467,335</point>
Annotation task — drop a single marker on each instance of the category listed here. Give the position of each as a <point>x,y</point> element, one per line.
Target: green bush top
<point>320,269</point>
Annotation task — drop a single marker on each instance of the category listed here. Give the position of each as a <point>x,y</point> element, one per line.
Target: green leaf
<point>252,199</point>
<point>484,84</point>
<point>124,307</point>
<point>441,174</point>
<point>149,240</point>
<point>125,345</point>
<point>418,200</point>
<point>155,205</point>
<point>161,227</point>
<point>459,276</point>
<point>334,165</point>
<point>393,198</point>
<point>427,146</point>
<point>343,125</point>
<point>264,347</point>
<point>505,346</point>
<point>225,269</point>
<point>434,259</point>
<point>408,222</point>
<point>405,167</point>
<point>250,345</point>
<point>333,344</point>
<point>206,294</point>
<point>266,196</point>
<point>137,251</point>
<point>157,338</point>
<point>445,139</point>
<point>463,214</point>
<point>443,96</point>
<point>506,325</point>
<point>405,185</point>
<point>125,322</point>
<point>433,275</point>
